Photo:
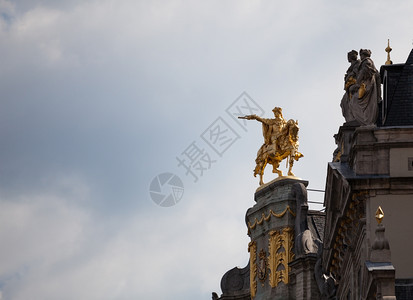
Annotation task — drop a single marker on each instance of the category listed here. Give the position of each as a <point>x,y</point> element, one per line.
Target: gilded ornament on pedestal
<point>268,217</point>
<point>252,249</point>
<point>280,254</point>
<point>379,215</point>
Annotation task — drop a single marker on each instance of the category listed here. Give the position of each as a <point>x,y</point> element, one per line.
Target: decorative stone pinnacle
<point>388,50</point>
<point>379,215</point>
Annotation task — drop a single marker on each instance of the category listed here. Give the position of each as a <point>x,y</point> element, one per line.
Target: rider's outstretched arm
<point>253,117</point>
<point>259,119</point>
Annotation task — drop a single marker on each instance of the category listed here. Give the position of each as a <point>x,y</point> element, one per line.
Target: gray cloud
<point>99,97</point>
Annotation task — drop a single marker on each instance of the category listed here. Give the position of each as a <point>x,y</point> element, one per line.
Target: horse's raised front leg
<point>259,170</point>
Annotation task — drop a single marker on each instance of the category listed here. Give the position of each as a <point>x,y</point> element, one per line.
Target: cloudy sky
<point>98,98</point>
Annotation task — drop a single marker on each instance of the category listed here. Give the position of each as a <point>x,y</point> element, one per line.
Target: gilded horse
<point>284,147</point>
<point>280,142</point>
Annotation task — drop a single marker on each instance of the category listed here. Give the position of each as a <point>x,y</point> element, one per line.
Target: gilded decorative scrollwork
<point>360,195</point>
<point>252,249</point>
<point>270,214</point>
<point>280,254</point>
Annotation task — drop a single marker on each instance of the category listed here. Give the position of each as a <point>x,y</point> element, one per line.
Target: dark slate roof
<point>404,289</point>
<point>410,58</point>
<point>316,223</point>
<point>400,93</point>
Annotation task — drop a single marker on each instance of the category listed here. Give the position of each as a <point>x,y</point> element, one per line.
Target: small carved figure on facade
<point>305,242</point>
<point>280,142</point>
<point>262,266</point>
<point>327,284</point>
<point>350,79</point>
<point>366,92</point>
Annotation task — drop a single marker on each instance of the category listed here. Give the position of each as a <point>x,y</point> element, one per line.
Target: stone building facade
<point>372,167</point>
<point>345,253</point>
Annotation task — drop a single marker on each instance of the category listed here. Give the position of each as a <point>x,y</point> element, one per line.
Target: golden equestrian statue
<point>280,142</point>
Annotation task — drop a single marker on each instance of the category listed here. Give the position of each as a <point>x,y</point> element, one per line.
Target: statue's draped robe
<point>271,130</point>
<point>349,78</point>
<point>365,109</point>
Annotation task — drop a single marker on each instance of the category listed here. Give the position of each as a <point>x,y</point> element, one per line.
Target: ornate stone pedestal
<point>271,228</point>
<point>285,237</point>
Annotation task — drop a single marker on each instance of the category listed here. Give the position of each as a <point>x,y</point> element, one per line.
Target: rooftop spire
<point>388,49</point>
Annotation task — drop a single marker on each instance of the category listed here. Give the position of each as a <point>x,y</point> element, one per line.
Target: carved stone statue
<point>349,80</point>
<point>327,284</point>
<point>280,142</point>
<point>366,92</point>
<point>305,242</point>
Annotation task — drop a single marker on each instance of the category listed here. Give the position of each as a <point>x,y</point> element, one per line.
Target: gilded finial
<point>388,50</point>
<point>379,215</point>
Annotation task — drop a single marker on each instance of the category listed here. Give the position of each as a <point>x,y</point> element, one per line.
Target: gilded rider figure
<point>280,142</point>
<point>271,128</point>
